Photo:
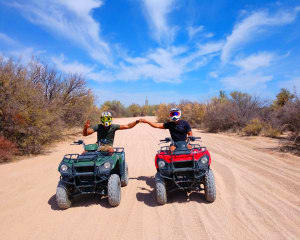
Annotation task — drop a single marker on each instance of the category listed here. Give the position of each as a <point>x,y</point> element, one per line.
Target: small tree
<point>283,97</point>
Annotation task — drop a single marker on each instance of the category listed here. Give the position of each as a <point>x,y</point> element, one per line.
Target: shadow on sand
<point>179,196</point>
<point>82,201</point>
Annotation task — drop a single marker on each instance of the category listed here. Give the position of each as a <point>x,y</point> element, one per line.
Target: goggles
<point>172,114</point>
<point>106,119</point>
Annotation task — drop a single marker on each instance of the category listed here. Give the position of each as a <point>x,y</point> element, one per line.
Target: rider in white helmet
<point>106,130</point>
<point>179,129</point>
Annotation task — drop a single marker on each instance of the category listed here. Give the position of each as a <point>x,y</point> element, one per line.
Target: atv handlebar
<point>189,139</point>
<point>79,142</point>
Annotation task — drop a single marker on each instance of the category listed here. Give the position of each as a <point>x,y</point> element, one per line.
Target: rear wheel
<point>114,190</point>
<point>62,197</point>
<point>160,189</point>
<point>124,178</point>
<point>209,186</point>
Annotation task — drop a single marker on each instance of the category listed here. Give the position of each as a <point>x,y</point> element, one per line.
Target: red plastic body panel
<point>167,157</point>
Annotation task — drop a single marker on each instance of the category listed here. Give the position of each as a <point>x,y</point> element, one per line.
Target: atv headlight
<point>64,168</point>
<point>161,164</point>
<point>107,165</point>
<point>204,160</point>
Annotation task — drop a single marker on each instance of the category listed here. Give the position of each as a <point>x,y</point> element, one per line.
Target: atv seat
<point>181,148</point>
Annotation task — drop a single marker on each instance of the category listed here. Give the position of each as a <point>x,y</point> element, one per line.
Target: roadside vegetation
<point>246,115</point>
<point>38,104</point>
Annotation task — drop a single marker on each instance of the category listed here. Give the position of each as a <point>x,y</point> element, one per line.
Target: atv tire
<point>114,190</point>
<point>209,186</point>
<point>124,178</point>
<point>62,197</point>
<point>160,189</point>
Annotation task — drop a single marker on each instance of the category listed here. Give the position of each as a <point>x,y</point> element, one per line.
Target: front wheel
<point>209,186</point>
<point>160,189</point>
<point>62,197</point>
<point>114,190</point>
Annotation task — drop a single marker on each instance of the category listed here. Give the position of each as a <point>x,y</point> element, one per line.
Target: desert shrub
<point>162,112</point>
<point>134,110</point>
<point>289,117</point>
<point>234,112</point>
<point>36,103</point>
<point>253,128</point>
<point>148,110</point>
<point>116,108</point>
<point>7,149</point>
<point>219,116</point>
<point>192,112</point>
<point>270,131</point>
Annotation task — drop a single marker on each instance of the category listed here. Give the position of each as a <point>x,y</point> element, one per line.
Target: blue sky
<point>167,50</point>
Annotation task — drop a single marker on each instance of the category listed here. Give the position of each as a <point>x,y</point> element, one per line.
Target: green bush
<point>253,128</point>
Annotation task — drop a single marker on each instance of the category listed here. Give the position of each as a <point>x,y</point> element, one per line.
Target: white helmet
<point>175,114</point>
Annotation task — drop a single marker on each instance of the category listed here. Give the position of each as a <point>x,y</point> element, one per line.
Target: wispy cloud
<point>252,72</point>
<point>246,81</point>
<point>160,65</point>
<point>249,28</point>
<point>192,31</point>
<point>6,39</point>
<point>70,19</point>
<point>74,67</point>
<point>157,12</point>
<point>255,61</point>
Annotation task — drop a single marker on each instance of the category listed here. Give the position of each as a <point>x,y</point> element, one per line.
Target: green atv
<point>92,172</point>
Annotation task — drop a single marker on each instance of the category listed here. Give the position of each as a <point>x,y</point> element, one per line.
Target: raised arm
<point>152,124</point>
<point>129,125</point>
<point>87,130</point>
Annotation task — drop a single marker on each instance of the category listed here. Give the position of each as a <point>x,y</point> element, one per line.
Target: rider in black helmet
<point>179,129</point>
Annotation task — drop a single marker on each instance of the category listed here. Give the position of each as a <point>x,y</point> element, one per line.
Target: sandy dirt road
<point>258,195</point>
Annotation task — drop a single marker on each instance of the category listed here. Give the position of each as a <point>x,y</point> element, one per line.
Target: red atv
<point>184,169</point>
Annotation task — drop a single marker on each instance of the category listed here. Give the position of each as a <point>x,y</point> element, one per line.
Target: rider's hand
<point>143,120</point>
<point>192,138</point>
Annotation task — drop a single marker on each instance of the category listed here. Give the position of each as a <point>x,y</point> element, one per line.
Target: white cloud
<point>214,74</point>
<point>255,61</point>
<point>246,81</point>
<point>252,72</point>
<point>73,20</point>
<point>25,54</point>
<point>6,39</point>
<point>192,31</point>
<point>250,27</point>
<point>157,11</point>
<point>74,67</point>
<point>209,35</point>
<point>159,65</point>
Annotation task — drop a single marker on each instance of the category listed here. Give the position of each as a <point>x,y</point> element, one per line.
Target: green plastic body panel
<point>91,147</point>
<point>116,157</point>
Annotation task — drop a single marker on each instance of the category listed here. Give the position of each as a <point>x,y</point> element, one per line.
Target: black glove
<point>192,138</point>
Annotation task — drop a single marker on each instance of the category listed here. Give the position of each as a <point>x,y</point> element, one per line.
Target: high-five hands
<point>143,120</point>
